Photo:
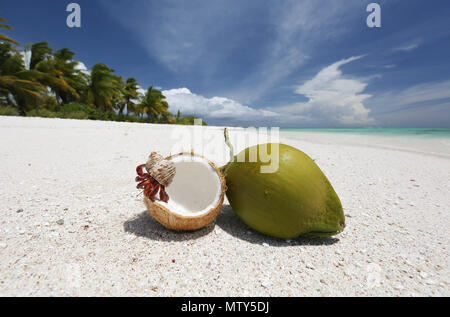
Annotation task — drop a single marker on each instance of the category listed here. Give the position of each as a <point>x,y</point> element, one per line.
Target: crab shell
<point>175,221</point>
<point>153,158</point>
<point>163,171</point>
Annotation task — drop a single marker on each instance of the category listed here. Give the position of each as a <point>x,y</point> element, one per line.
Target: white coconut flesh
<point>196,187</point>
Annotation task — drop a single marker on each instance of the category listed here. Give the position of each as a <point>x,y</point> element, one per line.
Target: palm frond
<point>8,39</point>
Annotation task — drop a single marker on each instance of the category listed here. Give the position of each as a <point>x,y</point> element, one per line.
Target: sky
<point>275,63</point>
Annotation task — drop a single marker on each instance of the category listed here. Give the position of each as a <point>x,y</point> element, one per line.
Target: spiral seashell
<point>153,158</point>
<point>163,171</point>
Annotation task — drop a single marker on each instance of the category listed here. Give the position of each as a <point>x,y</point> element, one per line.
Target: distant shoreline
<point>428,132</point>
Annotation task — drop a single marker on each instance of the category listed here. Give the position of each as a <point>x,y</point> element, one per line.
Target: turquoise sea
<point>424,132</point>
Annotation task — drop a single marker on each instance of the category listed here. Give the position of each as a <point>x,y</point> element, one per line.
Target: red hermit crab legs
<point>150,185</point>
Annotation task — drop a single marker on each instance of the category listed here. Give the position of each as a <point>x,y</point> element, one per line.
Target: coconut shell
<point>178,222</point>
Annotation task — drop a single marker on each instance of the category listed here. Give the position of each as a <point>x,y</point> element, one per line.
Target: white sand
<point>394,192</point>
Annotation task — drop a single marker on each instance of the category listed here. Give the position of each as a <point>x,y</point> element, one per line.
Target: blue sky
<point>287,63</point>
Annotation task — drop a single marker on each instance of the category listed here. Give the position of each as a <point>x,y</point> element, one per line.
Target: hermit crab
<point>160,173</point>
<point>197,189</point>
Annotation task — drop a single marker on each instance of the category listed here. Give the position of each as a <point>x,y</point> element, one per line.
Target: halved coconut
<point>195,194</point>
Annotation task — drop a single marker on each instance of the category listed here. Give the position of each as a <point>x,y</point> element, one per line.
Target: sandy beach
<point>72,222</point>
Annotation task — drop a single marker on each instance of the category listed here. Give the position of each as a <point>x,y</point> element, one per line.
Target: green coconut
<point>295,200</point>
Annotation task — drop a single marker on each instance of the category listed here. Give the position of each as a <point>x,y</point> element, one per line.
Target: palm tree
<point>64,63</point>
<point>34,78</point>
<point>168,117</point>
<point>119,101</point>
<point>55,71</point>
<point>138,109</point>
<point>154,104</point>
<point>3,37</point>
<point>19,90</point>
<point>23,92</point>
<point>131,94</point>
<point>40,52</point>
<point>103,88</point>
<point>49,79</point>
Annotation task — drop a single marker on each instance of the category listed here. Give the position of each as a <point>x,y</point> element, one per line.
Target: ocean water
<point>420,132</point>
<point>423,141</point>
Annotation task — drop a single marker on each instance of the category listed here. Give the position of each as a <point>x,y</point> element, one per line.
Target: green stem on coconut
<point>230,146</point>
<point>227,141</point>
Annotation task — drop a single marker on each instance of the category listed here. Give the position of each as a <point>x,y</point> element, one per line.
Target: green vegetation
<point>52,85</point>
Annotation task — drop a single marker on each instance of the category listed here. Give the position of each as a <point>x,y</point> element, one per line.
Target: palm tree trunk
<point>149,116</point>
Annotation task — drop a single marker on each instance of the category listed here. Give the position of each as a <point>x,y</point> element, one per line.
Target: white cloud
<point>332,98</point>
<point>201,37</point>
<point>436,114</point>
<point>144,91</point>
<point>141,90</point>
<point>26,57</point>
<point>213,108</point>
<point>81,67</point>
<point>422,105</point>
<point>407,47</point>
<point>300,26</point>
<point>417,96</point>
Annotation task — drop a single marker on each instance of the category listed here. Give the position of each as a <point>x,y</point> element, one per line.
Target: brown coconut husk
<point>178,222</point>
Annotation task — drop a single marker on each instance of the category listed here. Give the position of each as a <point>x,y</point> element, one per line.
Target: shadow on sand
<point>145,226</point>
<point>229,222</point>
